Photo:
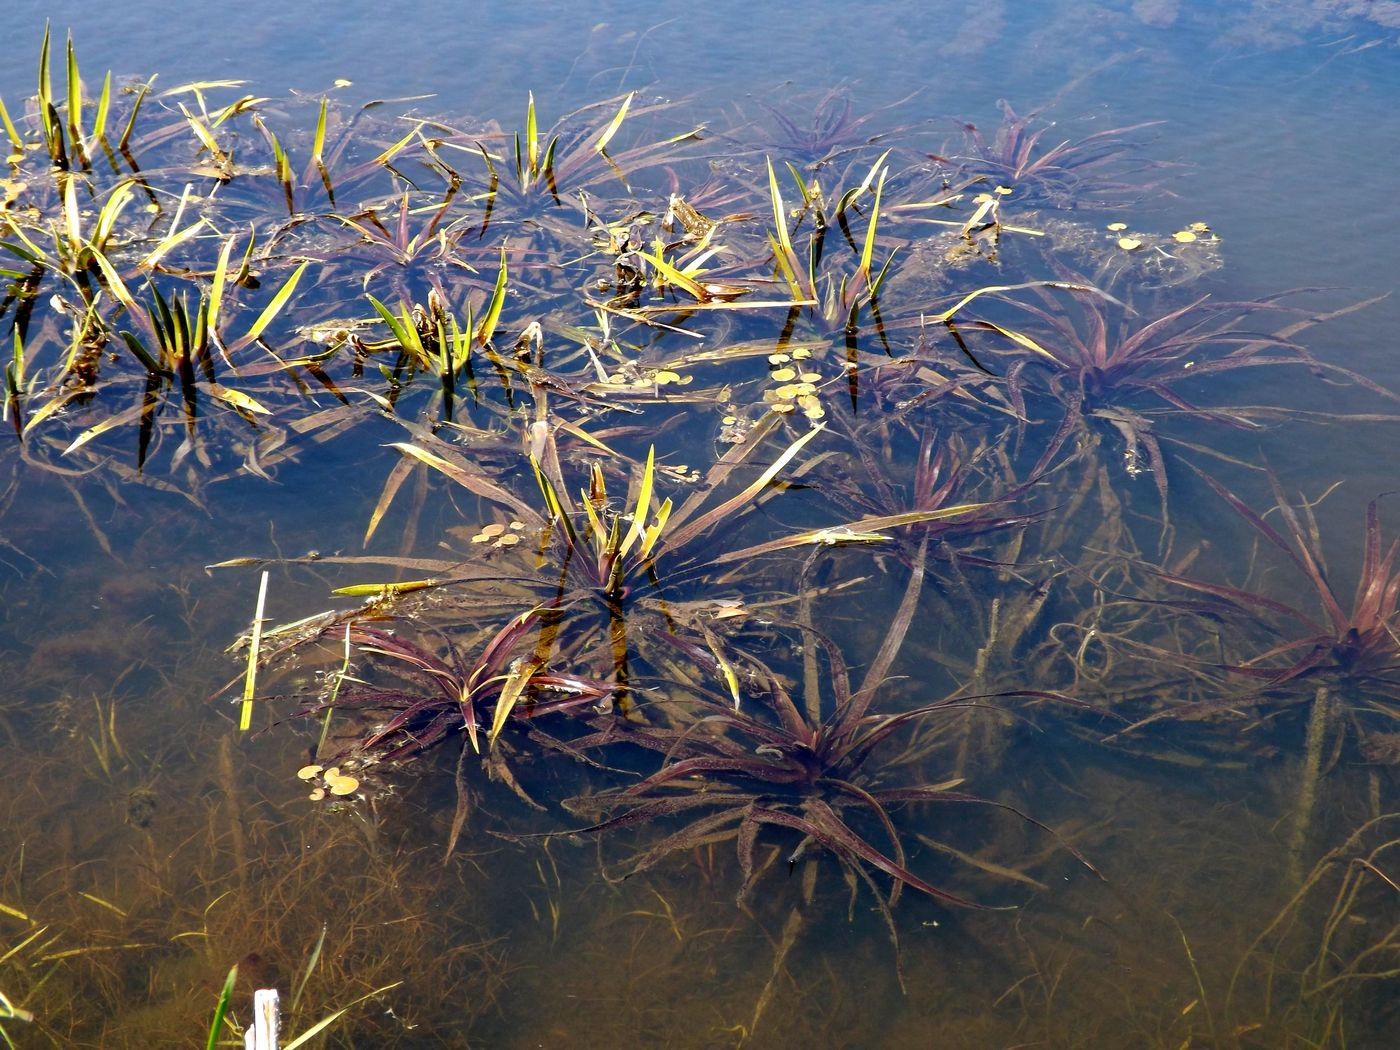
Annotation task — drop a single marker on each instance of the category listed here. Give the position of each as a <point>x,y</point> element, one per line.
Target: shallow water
<point>150,846</point>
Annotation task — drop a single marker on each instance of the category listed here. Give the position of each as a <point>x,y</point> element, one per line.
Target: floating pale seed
<point>729,421</point>
<point>783,407</point>
<point>810,377</point>
<point>1199,227</point>
<point>1183,236</point>
<point>778,359</point>
<point>1129,244</point>
<point>480,537</point>
<point>494,529</point>
<point>307,772</point>
<point>317,795</point>
<point>510,539</point>
<point>345,786</point>
<point>667,376</point>
<point>1004,191</point>
<point>517,526</point>
<point>1116,226</point>
<point>782,375</point>
<point>801,354</point>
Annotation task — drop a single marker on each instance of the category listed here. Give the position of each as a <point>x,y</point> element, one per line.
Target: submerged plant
<point>804,768</point>
<point>1068,174</point>
<point>1102,363</point>
<point>832,129</point>
<point>1342,666</point>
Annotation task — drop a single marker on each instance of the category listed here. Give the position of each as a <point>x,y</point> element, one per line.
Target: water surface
<point>152,846</point>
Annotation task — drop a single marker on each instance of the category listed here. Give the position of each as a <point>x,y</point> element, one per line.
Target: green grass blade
<point>115,284</point>
<point>216,286</point>
<point>532,142</point>
<point>46,96</point>
<point>104,101</point>
<point>779,213</point>
<point>487,328</point>
<point>325,1022</point>
<point>318,144</point>
<point>75,95</point>
<point>801,185</point>
<point>16,142</point>
<point>868,252</point>
<point>107,217</point>
<point>275,306</point>
<point>643,507</point>
<point>250,679</point>
<point>221,1009</point>
<point>611,130</point>
<point>674,276</point>
<point>131,120</point>
<point>315,955</point>
<point>400,330</point>
<point>729,506</point>
<point>514,687</point>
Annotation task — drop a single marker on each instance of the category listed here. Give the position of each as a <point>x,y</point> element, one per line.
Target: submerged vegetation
<point>754,488</point>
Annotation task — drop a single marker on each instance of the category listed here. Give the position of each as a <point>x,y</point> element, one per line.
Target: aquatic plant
<point>1354,644</point>
<point>1070,173</point>
<point>1100,363</point>
<point>738,766</point>
<point>544,167</point>
<point>445,693</point>
<point>831,129</point>
<point>943,474</point>
<point>1325,961</point>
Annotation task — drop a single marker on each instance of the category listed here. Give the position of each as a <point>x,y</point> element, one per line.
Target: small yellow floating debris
<point>778,359</point>
<point>1183,236</point>
<point>1129,244</point>
<point>801,354</point>
<point>308,772</point>
<point>344,786</point>
<point>782,375</point>
<point>1116,226</point>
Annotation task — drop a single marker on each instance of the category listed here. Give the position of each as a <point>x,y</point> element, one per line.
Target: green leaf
<point>221,1009</point>
<point>487,327</point>
<point>611,129</point>
<point>275,306</point>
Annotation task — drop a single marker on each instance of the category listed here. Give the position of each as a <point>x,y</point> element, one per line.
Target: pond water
<point>1004,625</point>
